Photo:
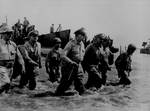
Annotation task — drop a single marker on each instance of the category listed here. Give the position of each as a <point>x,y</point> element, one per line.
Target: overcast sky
<point>126,21</point>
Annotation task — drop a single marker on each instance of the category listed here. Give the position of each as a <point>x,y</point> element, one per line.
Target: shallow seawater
<point>135,97</point>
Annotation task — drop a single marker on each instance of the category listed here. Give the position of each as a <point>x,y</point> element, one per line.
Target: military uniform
<point>104,66</point>
<point>53,64</point>
<point>90,64</point>
<point>32,56</point>
<point>9,54</point>
<point>123,66</point>
<point>75,52</point>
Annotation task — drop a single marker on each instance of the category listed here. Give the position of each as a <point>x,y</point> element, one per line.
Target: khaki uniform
<point>34,52</point>
<point>8,54</point>
<point>32,57</point>
<point>74,52</point>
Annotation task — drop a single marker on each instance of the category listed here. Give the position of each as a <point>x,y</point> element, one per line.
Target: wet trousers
<point>94,77</point>
<point>71,74</point>
<point>123,77</point>
<point>29,78</point>
<point>5,74</point>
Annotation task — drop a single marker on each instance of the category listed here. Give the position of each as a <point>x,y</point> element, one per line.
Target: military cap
<point>80,31</point>
<point>56,40</point>
<point>131,47</point>
<point>106,38</point>
<point>33,33</point>
<point>4,28</point>
<point>101,36</point>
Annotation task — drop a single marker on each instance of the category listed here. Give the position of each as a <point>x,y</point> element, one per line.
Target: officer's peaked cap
<point>33,33</point>
<point>101,36</point>
<point>80,31</point>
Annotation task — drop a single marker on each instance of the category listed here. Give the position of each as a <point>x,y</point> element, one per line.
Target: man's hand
<point>23,71</point>
<point>74,64</point>
<point>36,64</point>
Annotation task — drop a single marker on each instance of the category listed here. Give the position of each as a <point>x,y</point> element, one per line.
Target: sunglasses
<point>34,35</point>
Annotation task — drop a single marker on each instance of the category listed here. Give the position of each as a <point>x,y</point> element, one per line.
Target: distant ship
<point>146,47</point>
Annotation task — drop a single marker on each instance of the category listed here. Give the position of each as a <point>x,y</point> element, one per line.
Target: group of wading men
<point>66,66</point>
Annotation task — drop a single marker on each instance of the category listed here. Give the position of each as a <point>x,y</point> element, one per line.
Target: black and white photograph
<point>74,55</point>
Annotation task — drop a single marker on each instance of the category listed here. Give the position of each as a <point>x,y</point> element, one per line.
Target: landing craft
<point>46,40</point>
